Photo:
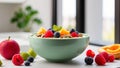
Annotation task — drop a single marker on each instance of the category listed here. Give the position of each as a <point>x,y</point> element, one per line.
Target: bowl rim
<point>84,36</point>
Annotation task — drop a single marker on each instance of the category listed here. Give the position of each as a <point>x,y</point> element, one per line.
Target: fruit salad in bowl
<point>58,44</point>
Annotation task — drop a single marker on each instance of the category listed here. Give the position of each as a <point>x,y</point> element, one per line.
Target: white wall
<point>6,12</point>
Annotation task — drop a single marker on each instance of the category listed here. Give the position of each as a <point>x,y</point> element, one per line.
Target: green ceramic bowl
<point>59,50</point>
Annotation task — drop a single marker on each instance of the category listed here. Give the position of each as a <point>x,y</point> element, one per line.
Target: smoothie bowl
<point>58,49</point>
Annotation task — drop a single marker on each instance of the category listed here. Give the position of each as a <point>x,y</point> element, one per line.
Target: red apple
<point>8,48</point>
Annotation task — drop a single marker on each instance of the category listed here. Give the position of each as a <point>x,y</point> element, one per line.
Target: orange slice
<point>64,32</point>
<point>41,31</point>
<point>111,49</point>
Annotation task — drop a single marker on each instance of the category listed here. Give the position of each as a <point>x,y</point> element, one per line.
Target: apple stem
<point>9,38</point>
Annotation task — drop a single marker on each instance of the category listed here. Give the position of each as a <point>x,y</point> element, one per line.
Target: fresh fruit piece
<point>32,53</point>
<point>17,59</point>
<point>64,32</point>
<point>90,53</point>
<point>113,49</point>
<point>49,33</point>
<point>30,59</point>
<point>8,48</point>
<point>111,58</point>
<point>74,34</point>
<point>24,55</point>
<point>72,30</point>
<point>105,55</point>
<point>100,60</point>
<point>0,63</point>
<point>27,63</point>
<point>88,60</point>
<point>57,28</point>
<point>41,31</point>
<point>56,34</point>
<point>51,30</point>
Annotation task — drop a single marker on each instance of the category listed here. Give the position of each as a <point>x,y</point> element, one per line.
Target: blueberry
<point>30,59</point>
<point>88,60</point>
<point>56,34</point>
<point>51,30</point>
<point>72,30</point>
<point>27,63</point>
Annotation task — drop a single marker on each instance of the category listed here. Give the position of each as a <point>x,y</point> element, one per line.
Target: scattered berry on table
<point>30,59</point>
<point>100,60</point>
<point>32,53</point>
<point>74,34</point>
<point>56,34</point>
<point>105,55</point>
<point>90,53</point>
<point>24,55</point>
<point>17,60</point>
<point>89,60</point>
<point>0,63</point>
<point>111,58</point>
<point>72,30</point>
<point>27,63</point>
<point>49,33</point>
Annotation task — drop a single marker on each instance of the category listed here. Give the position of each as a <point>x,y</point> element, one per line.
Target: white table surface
<point>39,62</point>
<point>77,62</point>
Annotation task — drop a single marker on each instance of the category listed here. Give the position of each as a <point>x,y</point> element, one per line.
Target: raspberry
<point>88,60</point>
<point>100,60</point>
<point>17,60</point>
<point>90,53</point>
<point>74,34</point>
<point>111,58</point>
<point>49,33</point>
<point>105,55</point>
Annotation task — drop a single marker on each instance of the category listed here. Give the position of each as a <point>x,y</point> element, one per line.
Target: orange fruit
<point>41,31</point>
<point>64,32</point>
<point>111,49</point>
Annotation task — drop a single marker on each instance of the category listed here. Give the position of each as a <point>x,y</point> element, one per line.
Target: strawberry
<point>49,33</point>
<point>105,55</point>
<point>100,60</point>
<point>74,34</point>
<point>90,53</point>
<point>111,58</point>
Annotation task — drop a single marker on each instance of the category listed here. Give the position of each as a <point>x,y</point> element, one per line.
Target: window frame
<point>80,17</point>
<point>80,14</point>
